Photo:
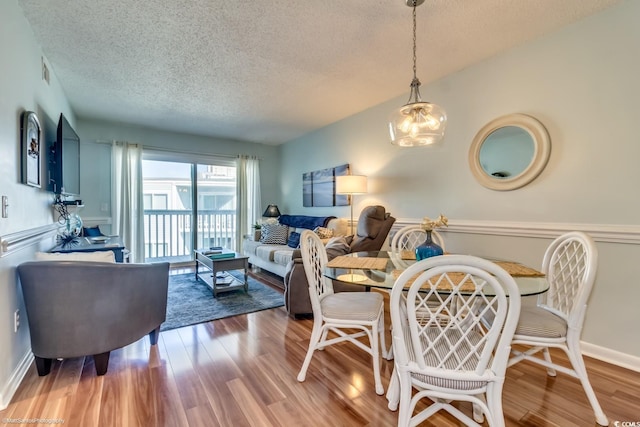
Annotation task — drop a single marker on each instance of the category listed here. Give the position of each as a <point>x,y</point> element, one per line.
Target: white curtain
<point>248,196</point>
<point>127,207</point>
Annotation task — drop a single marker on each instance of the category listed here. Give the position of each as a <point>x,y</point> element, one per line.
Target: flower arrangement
<point>429,224</point>
<point>257,226</point>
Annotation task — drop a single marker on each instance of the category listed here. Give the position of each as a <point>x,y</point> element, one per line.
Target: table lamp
<point>272,211</point>
<point>351,185</point>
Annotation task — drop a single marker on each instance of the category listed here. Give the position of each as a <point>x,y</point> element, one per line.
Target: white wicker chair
<point>570,264</point>
<point>407,239</point>
<point>334,312</point>
<point>464,359</point>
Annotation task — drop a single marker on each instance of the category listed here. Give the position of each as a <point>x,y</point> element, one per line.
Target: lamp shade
<point>351,184</point>
<point>272,211</point>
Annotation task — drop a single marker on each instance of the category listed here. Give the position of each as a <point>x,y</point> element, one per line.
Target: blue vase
<point>428,248</point>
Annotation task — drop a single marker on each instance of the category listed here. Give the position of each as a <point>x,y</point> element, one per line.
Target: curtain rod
<point>168,150</point>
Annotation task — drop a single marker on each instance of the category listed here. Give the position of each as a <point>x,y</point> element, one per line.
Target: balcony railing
<point>167,233</point>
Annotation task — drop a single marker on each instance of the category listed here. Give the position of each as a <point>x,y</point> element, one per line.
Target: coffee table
<point>213,267</point>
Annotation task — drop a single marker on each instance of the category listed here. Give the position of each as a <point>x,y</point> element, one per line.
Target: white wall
<point>95,187</point>
<point>582,84</point>
<point>22,89</point>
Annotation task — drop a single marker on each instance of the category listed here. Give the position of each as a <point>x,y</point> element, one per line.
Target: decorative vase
<point>73,224</point>
<point>428,248</point>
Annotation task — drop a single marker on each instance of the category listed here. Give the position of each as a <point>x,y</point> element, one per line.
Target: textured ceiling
<point>269,71</point>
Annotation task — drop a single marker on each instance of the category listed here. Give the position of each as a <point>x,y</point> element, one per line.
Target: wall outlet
<point>16,320</point>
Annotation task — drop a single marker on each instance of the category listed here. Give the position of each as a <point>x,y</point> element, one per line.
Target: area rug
<point>191,301</point>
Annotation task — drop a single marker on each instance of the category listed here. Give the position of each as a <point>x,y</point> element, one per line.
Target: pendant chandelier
<point>417,123</point>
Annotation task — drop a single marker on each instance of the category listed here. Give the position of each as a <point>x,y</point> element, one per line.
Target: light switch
<point>5,206</point>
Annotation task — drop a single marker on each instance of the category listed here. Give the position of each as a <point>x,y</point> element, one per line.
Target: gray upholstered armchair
<point>374,225</point>
<point>78,308</point>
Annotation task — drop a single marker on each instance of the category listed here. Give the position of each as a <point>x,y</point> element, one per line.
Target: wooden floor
<point>241,371</point>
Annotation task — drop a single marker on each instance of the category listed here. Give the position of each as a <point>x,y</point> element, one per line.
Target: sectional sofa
<point>284,258</point>
<point>275,257</point>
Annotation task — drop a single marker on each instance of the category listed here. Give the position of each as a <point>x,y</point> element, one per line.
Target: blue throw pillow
<point>294,240</point>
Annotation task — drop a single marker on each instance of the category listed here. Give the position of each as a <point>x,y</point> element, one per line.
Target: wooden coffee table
<point>214,267</point>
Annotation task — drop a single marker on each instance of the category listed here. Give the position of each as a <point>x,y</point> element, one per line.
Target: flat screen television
<point>64,162</point>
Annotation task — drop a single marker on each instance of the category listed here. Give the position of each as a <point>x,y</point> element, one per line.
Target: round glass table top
<point>385,278</point>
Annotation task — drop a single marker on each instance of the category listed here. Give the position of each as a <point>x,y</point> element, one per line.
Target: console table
<point>114,243</point>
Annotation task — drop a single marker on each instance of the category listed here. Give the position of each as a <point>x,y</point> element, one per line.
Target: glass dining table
<point>380,269</point>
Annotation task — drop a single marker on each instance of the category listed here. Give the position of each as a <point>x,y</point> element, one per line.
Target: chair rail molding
<point>12,242</point>
<point>610,233</point>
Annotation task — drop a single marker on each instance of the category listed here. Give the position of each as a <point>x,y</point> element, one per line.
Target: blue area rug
<point>191,301</point>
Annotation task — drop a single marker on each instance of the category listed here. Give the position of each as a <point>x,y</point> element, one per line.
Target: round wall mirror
<point>509,152</point>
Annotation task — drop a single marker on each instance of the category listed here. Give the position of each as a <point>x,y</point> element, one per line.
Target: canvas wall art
<point>319,187</point>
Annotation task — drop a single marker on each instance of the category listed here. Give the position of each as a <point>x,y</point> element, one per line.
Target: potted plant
<point>256,231</point>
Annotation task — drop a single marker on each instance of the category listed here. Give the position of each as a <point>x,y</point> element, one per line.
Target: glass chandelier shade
<point>417,123</point>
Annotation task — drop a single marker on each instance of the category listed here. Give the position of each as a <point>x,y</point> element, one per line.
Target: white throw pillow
<point>323,232</point>
<point>96,256</point>
<point>340,227</point>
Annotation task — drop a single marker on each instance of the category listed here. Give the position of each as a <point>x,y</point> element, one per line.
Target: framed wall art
<point>319,187</point>
<point>31,134</point>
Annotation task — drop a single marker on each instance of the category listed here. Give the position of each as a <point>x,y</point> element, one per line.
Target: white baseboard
<point>10,387</point>
<point>613,357</point>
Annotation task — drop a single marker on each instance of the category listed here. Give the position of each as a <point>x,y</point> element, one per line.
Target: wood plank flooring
<point>241,371</point>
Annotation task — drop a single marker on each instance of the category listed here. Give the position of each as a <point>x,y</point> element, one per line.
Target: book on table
<point>221,255</point>
<point>224,280</point>
<point>214,250</point>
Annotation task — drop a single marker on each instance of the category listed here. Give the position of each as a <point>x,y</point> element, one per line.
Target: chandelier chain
<point>414,42</point>
<point>417,123</point>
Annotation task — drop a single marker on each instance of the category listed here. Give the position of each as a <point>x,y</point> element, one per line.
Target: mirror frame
<point>542,150</point>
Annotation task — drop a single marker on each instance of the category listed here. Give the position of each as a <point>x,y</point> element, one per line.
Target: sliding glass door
<point>187,205</point>
<point>216,206</point>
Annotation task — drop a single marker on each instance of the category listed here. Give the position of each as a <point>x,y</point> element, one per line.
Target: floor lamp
<point>351,185</point>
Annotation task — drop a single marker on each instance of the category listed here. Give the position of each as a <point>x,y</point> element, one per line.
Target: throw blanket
<point>304,221</point>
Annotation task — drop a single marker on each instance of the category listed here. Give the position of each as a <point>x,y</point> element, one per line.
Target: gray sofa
<point>78,308</point>
<point>275,258</point>
<point>374,225</point>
